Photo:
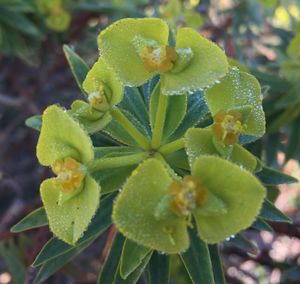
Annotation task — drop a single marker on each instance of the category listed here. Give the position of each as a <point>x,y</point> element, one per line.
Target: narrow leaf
<point>271,176</point>
<point>271,213</point>
<point>197,261</point>
<point>132,256</point>
<point>55,247</point>
<point>135,275</point>
<point>110,267</point>
<point>34,122</point>
<point>261,225</point>
<point>35,219</point>
<point>216,264</point>
<point>78,67</point>
<point>159,269</point>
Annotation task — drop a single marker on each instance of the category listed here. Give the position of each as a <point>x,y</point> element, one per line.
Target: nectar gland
<point>187,195</point>
<point>227,127</point>
<point>69,173</point>
<point>98,99</point>
<point>159,59</point>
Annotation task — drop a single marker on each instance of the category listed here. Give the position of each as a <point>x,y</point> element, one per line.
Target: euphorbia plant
<point>177,115</point>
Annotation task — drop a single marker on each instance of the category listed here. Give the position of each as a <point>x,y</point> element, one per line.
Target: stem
<point>159,121</point>
<point>172,147</point>
<point>109,163</point>
<point>130,128</point>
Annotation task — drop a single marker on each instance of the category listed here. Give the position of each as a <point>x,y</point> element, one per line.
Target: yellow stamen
<point>187,195</point>
<point>227,127</point>
<point>158,59</point>
<point>69,173</point>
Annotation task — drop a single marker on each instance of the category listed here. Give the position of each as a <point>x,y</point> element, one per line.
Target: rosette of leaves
<point>181,192</point>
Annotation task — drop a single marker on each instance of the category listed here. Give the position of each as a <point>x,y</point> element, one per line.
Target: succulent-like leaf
<point>135,206</point>
<point>61,137</point>
<point>238,89</point>
<point>241,192</point>
<point>69,220</point>
<point>207,65</point>
<point>116,44</point>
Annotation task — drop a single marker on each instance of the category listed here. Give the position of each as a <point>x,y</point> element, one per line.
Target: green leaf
<point>136,204</point>
<point>244,244</point>
<point>244,158</point>
<point>196,112</point>
<point>116,44</point>
<point>207,65</point>
<point>34,122</point>
<point>69,220</point>
<point>35,219</point>
<point>110,267</point>
<point>10,254</point>
<point>18,22</point>
<point>237,188</point>
<point>62,137</point>
<point>53,265</point>
<point>261,225</point>
<point>132,256</point>
<point>55,247</point>
<point>197,261</point>
<point>101,74</point>
<point>178,159</point>
<point>159,268</point>
<point>238,89</point>
<point>216,264</point>
<point>78,66</point>
<point>136,274</point>
<point>271,213</point>
<point>134,103</point>
<point>271,176</point>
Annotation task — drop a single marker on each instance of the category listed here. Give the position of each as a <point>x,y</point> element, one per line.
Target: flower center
<point>98,99</point>
<point>69,173</point>
<point>227,127</point>
<point>187,195</point>
<point>159,59</point>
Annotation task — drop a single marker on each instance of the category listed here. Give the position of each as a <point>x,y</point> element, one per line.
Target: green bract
<point>69,212</point>
<point>142,211</point>
<point>104,91</point>
<point>132,46</point>
<point>239,91</point>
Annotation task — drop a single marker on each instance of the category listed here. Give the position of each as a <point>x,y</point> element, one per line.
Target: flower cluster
<point>210,187</point>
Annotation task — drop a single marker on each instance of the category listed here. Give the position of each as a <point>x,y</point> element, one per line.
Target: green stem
<point>115,162</point>
<point>172,147</point>
<point>130,128</point>
<point>159,121</point>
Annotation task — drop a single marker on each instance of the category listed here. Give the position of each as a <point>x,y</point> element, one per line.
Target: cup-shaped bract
<point>207,64</point>
<point>72,198</point>
<point>240,191</point>
<point>135,207</point>
<point>239,92</point>
<point>119,47</point>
